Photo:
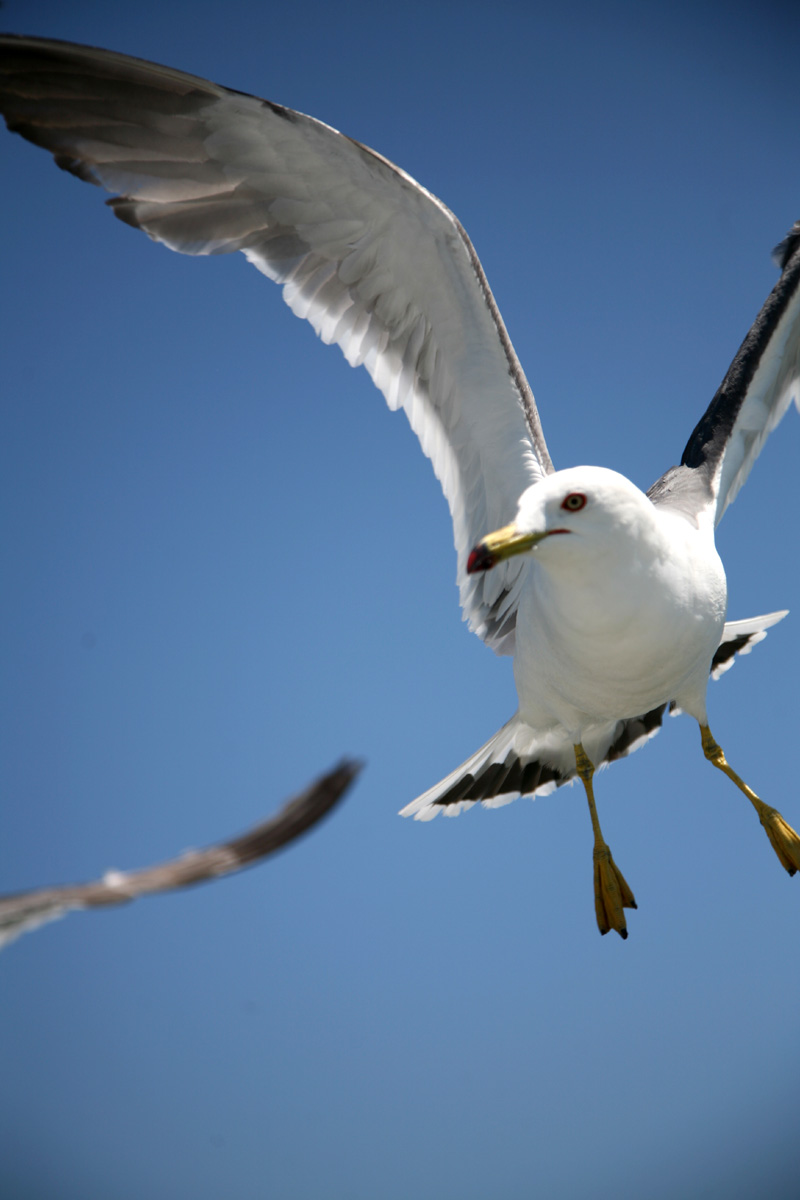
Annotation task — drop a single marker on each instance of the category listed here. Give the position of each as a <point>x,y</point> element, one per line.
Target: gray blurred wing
<point>26,911</point>
<point>375,262</point>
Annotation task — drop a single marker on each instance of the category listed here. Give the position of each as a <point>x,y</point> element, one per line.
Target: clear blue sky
<point>226,565</point>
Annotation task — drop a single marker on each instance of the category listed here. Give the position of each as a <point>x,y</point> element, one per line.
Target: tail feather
<point>511,764</point>
<point>739,637</point>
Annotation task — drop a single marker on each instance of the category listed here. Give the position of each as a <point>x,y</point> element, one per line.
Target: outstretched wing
<point>761,383</point>
<point>26,911</point>
<point>374,262</point>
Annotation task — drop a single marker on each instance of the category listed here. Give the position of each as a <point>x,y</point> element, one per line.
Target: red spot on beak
<point>480,559</point>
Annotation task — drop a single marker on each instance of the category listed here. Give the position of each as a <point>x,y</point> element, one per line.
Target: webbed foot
<point>611,893</point>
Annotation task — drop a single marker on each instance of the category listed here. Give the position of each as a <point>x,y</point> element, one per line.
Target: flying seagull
<point>612,601</point>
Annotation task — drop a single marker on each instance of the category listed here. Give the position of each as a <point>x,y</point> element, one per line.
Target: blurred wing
<point>26,911</point>
<point>761,383</point>
<point>374,262</point>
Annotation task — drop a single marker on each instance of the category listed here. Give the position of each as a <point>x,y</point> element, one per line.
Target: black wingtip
<point>785,249</point>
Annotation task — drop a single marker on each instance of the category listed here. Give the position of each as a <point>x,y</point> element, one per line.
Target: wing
<point>374,262</point>
<point>26,911</point>
<point>761,383</point>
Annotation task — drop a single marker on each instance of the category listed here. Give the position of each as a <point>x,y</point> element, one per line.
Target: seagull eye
<point>574,502</point>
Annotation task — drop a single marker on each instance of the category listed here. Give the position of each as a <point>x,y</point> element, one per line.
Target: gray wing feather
<point>760,385</point>
<point>374,261</point>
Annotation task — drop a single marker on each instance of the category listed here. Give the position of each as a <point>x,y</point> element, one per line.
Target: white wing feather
<point>375,262</point>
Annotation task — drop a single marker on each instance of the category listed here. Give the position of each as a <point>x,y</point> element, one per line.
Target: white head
<point>585,510</point>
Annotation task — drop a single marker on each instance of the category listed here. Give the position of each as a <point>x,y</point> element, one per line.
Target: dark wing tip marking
<point>710,435</point>
<point>633,732</point>
<point>514,776</point>
<point>520,777</point>
<point>729,650</point>
<point>786,248</point>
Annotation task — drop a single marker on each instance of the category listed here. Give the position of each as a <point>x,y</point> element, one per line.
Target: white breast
<point>610,632</point>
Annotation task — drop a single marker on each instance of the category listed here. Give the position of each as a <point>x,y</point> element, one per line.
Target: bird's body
<point>620,613</point>
<point>612,601</point>
<point>600,607</point>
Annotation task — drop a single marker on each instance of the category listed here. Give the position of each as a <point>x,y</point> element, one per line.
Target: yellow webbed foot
<point>611,893</point>
<point>784,840</point>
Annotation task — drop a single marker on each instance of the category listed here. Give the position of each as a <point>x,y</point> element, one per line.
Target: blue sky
<point>226,565</point>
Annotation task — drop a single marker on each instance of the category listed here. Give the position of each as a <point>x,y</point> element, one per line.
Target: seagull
<point>612,601</point>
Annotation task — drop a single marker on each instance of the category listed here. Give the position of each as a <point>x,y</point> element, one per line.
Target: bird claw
<point>611,893</point>
<point>784,840</point>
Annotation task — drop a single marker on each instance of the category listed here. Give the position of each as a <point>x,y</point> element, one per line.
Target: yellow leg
<point>611,893</point>
<point>785,842</point>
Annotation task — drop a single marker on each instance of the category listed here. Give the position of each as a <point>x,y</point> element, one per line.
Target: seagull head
<point>591,508</point>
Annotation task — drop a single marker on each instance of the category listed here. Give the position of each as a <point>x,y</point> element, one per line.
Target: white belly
<point>603,643</point>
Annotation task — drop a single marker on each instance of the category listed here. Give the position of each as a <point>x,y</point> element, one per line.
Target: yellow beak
<point>504,543</point>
